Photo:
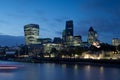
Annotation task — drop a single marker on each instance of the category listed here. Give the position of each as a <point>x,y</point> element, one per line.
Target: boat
<point>9,67</point>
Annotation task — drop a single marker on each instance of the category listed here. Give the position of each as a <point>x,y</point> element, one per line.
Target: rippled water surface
<point>51,71</point>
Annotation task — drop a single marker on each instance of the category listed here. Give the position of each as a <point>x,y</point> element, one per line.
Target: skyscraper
<point>69,28</point>
<point>31,32</point>
<point>69,33</point>
<point>92,36</point>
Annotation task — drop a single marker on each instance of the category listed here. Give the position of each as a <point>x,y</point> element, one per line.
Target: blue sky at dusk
<point>103,15</point>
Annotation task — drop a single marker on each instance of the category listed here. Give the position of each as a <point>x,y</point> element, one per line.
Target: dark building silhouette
<point>91,29</point>
<point>69,28</point>
<point>57,40</point>
<point>64,36</point>
<point>67,35</point>
<point>35,49</point>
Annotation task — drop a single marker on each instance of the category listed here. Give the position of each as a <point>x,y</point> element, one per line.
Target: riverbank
<point>99,62</point>
<point>81,61</point>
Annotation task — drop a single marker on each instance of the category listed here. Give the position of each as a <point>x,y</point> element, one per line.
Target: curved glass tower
<point>31,32</point>
<point>92,36</point>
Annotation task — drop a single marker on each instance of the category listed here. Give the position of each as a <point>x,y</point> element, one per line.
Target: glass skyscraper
<point>92,36</point>
<point>69,28</point>
<point>69,33</point>
<point>31,32</point>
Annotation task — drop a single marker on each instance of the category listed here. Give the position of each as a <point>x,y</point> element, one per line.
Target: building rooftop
<point>91,29</point>
<point>31,25</point>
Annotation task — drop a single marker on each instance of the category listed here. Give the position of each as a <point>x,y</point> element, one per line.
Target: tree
<point>118,48</point>
<point>53,50</point>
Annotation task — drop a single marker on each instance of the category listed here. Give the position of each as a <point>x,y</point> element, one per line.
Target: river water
<point>51,71</point>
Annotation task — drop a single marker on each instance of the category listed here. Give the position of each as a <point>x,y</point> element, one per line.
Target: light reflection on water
<point>51,71</point>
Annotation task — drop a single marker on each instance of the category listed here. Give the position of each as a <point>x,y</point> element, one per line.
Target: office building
<point>69,28</point>
<point>44,40</point>
<point>115,41</point>
<point>77,41</point>
<point>57,40</point>
<point>47,47</point>
<point>68,33</point>
<point>31,32</point>
<point>92,36</point>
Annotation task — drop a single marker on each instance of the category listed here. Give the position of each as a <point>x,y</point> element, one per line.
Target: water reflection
<point>63,65</point>
<point>87,72</point>
<point>4,74</point>
<point>101,70</point>
<point>87,68</point>
<point>75,66</point>
<point>51,71</point>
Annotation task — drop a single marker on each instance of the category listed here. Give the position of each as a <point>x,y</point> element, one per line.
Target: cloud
<point>59,20</point>
<point>107,28</point>
<point>44,29</point>
<point>40,15</point>
<point>58,33</point>
<point>99,4</point>
<point>101,8</point>
<point>17,15</point>
<point>103,15</point>
<point>40,12</point>
<point>25,14</point>
<point>4,22</point>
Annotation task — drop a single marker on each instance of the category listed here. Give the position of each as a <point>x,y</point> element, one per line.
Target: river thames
<point>52,71</point>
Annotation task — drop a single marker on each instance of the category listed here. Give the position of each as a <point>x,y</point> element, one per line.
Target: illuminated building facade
<point>115,41</point>
<point>92,36</point>
<point>44,40</point>
<point>47,47</point>
<point>31,32</point>
<point>77,41</point>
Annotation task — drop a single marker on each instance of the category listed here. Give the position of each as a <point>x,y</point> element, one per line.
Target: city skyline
<point>51,15</point>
